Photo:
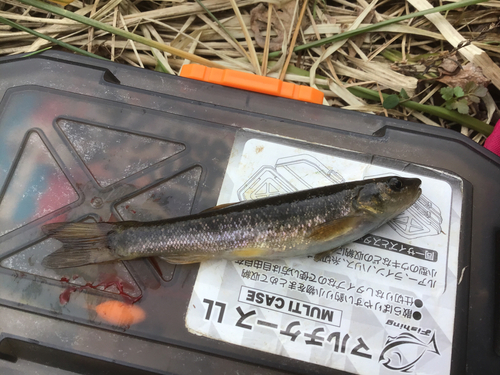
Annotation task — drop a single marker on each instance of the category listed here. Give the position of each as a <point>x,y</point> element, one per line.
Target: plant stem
<point>444,113</point>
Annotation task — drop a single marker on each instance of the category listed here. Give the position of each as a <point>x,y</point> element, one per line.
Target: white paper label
<point>384,304</point>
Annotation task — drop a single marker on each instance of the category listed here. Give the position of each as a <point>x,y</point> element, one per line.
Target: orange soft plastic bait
<point>119,313</point>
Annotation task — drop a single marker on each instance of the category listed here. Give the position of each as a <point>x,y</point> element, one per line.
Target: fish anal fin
<point>335,228</point>
<point>245,253</point>
<point>323,254</point>
<point>185,258</point>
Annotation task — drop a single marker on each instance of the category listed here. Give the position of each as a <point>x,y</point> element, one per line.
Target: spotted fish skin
<point>302,223</point>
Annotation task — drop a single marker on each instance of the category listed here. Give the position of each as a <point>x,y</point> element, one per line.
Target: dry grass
<point>412,55</point>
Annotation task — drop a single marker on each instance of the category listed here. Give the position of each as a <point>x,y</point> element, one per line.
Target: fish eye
<point>395,184</point>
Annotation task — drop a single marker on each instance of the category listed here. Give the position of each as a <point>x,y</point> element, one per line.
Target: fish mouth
<point>413,185</point>
<point>419,192</point>
<point>412,190</point>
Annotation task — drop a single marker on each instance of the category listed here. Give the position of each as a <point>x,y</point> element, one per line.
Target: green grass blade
<point>114,30</point>
<point>37,52</point>
<point>441,112</point>
<point>200,3</point>
<point>367,29</point>
<point>396,56</point>
<point>50,39</point>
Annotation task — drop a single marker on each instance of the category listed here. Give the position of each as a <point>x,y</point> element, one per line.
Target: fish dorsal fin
<point>220,206</point>
<point>335,228</point>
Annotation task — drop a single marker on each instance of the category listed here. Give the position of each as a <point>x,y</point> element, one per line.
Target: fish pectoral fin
<point>186,258</point>
<point>320,256</point>
<point>335,228</point>
<point>249,252</point>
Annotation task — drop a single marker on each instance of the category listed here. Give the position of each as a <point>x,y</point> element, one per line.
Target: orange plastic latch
<point>251,82</point>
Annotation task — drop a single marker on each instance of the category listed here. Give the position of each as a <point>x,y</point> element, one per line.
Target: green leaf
<point>449,104</point>
<point>461,106</point>
<point>446,93</point>
<point>391,101</point>
<point>470,86</point>
<point>458,91</point>
<point>480,91</point>
<point>403,94</point>
<point>474,98</point>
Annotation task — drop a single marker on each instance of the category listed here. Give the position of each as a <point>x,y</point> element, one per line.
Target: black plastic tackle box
<point>89,140</point>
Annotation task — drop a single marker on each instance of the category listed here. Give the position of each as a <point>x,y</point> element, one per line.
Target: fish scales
<point>309,222</point>
<point>276,227</point>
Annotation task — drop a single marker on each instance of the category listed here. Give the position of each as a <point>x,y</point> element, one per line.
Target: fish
<point>309,222</point>
<point>402,352</point>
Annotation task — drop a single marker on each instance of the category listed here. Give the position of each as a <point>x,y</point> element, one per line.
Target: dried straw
<point>357,53</point>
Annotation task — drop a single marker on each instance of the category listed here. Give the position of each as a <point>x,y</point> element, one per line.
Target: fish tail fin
<point>83,243</point>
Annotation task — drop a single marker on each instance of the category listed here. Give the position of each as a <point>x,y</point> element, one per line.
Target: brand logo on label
<point>402,352</point>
